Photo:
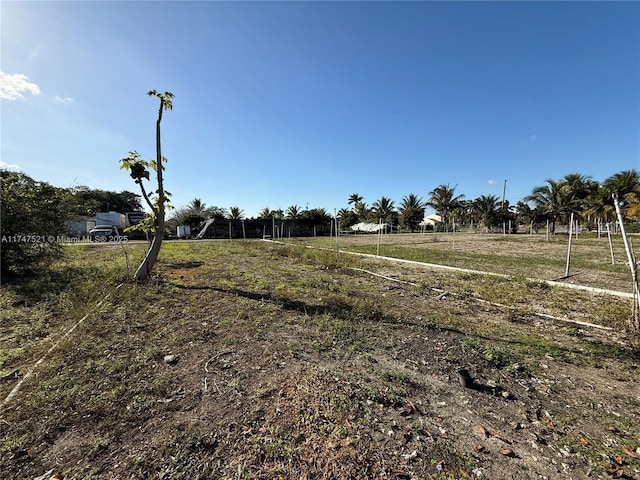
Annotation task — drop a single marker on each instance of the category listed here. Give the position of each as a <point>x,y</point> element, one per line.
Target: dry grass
<point>525,256</point>
<point>291,364</point>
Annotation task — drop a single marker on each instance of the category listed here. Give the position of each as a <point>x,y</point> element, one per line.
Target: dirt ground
<point>276,363</point>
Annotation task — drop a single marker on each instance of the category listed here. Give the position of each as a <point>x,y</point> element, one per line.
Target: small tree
<point>139,171</point>
<point>411,211</point>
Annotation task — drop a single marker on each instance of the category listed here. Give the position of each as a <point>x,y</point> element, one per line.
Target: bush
<point>32,216</point>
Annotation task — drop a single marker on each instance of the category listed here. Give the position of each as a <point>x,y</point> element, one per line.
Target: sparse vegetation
<point>291,362</point>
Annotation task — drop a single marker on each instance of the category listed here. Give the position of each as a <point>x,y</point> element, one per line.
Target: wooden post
<point>547,229</point>
<point>454,236</point>
<point>379,235</point>
<point>635,318</point>
<point>566,273</point>
<point>230,237</point>
<point>613,260</point>
<point>244,234</point>
<point>335,218</point>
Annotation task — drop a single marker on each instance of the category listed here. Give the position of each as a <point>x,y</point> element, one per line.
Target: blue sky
<point>304,103</point>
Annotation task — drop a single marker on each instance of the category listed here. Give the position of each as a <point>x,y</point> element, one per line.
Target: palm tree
<point>361,210</point>
<point>632,209</point>
<point>347,217</point>
<point>342,212</point>
<point>411,211</point>
<point>581,185</point>
<point>384,208</point>
<point>236,213</point>
<point>599,206</point>
<point>197,206</point>
<point>487,208</point>
<point>265,213</point>
<point>293,212</point>
<point>444,200</point>
<point>626,185</point>
<point>354,199</point>
<point>556,200</point>
<point>622,183</point>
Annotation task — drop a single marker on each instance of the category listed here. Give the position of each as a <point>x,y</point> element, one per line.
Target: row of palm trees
<point>197,211</point>
<point>555,201</point>
<point>590,201</point>
<point>409,213</point>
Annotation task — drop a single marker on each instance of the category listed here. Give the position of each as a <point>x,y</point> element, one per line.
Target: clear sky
<point>304,103</point>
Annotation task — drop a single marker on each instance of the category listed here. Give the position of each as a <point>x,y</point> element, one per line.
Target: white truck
<point>112,219</point>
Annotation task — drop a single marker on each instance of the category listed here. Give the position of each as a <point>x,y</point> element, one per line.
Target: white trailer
<point>183,231</point>
<point>113,219</point>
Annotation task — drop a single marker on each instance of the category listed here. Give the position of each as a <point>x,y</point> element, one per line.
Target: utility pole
<point>504,192</point>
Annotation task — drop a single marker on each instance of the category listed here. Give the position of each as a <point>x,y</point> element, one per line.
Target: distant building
<point>431,220</point>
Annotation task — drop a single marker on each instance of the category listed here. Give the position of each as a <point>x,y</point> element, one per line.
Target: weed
<point>100,443</point>
<point>497,358</point>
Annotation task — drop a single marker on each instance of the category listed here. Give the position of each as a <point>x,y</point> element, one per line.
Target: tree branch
<point>146,197</point>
